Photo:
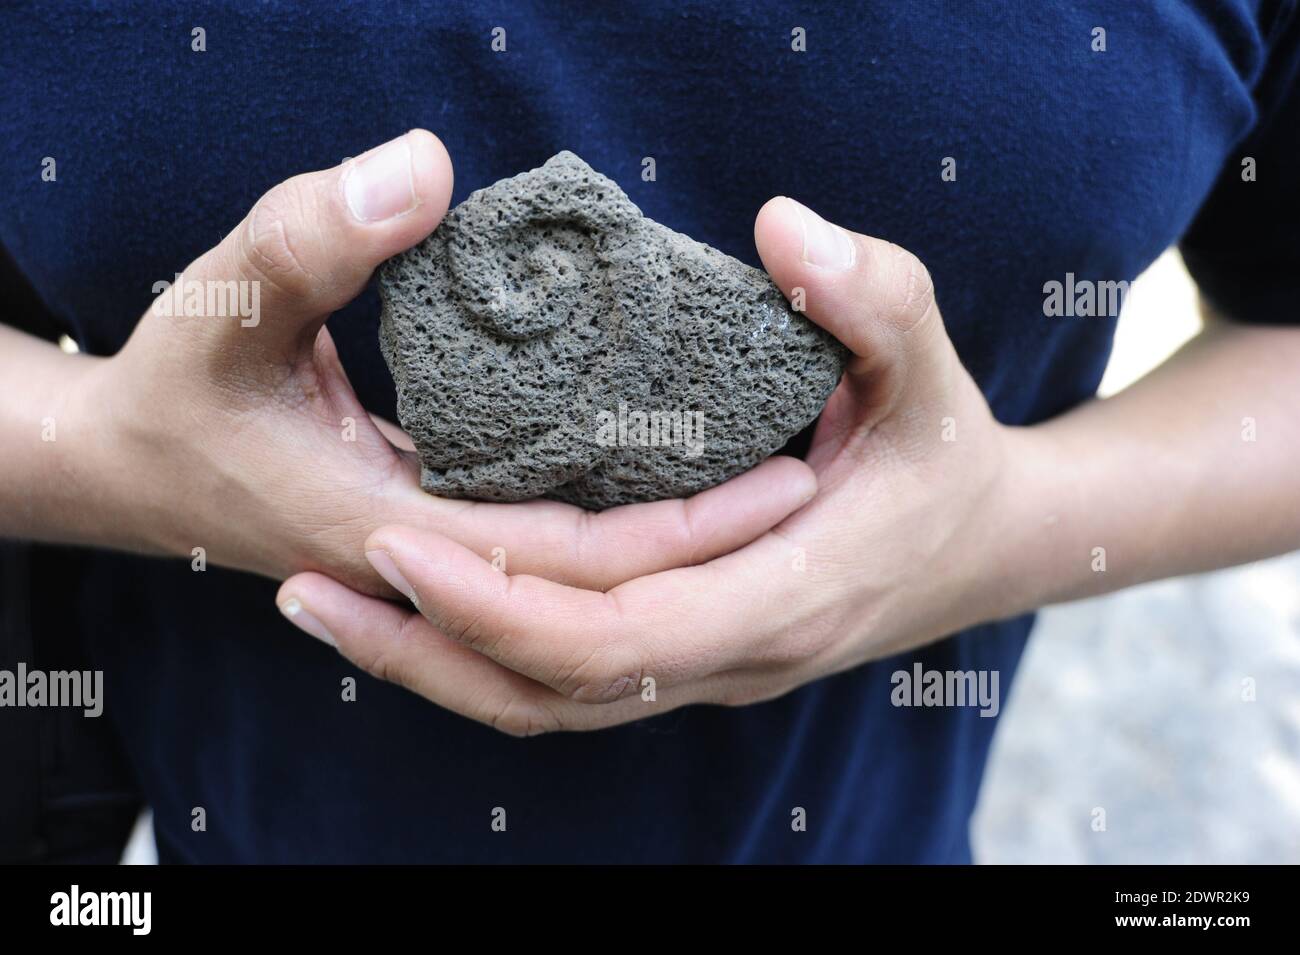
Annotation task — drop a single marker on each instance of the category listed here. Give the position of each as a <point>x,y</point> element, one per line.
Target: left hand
<point>915,484</point>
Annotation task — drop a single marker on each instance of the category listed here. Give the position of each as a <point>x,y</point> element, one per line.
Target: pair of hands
<point>261,454</point>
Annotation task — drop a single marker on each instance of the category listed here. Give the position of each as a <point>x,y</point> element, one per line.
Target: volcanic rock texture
<point>548,340</point>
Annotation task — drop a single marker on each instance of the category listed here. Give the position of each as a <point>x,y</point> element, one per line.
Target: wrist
<point>107,474</point>
<point>1040,554</point>
<point>42,434</point>
<point>1001,534</point>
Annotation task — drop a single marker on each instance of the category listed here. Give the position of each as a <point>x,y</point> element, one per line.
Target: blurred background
<point>1168,713</point>
<point>1174,708</point>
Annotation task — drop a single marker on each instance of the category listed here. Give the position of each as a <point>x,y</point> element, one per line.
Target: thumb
<point>310,244</point>
<point>872,295</point>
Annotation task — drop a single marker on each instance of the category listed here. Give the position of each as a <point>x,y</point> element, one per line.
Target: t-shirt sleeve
<point>1243,248</point>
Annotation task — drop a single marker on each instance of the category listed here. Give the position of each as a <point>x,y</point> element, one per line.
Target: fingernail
<point>381,184</point>
<point>385,567</point>
<point>303,619</point>
<point>824,245</point>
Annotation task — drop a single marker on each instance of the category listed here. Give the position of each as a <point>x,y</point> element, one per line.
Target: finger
<point>589,646</point>
<point>598,551</point>
<point>310,244</point>
<point>395,436</point>
<point>400,647</point>
<point>573,640</point>
<point>331,384</point>
<point>872,295</point>
<point>403,448</point>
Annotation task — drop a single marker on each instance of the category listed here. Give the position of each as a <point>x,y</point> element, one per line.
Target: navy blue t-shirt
<point>1069,158</point>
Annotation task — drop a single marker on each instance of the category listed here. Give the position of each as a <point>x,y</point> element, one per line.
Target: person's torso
<point>1009,145</point>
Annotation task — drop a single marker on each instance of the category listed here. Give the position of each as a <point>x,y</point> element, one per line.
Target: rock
<point>548,340</point>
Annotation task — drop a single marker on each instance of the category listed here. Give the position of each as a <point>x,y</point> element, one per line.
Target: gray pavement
<point>1140,704</point>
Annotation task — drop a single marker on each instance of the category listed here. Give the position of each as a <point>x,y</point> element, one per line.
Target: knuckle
<point>603,675</point>
<point>384,660</point>
<point>516,716</point>
<point>470,631</point>
<point>272,242</point>
<point>585,539</point>
<point>605,548</point>
<point>785,652</point>
<point>382,664</point>
<point>795,647</point>
<point>914,299</point>
<point>689,538</point>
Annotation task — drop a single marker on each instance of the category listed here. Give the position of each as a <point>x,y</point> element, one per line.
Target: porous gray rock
<point>548,340</point>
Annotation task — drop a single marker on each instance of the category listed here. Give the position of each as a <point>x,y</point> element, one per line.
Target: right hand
<point>205,432</point>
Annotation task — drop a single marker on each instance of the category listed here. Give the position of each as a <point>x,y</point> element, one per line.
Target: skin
<point>728,599</point>
<point>202,432</point>
<point>910,537</point>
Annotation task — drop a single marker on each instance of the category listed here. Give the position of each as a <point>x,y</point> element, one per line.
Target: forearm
<point>46,492</point>
<point>1195,467</point>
